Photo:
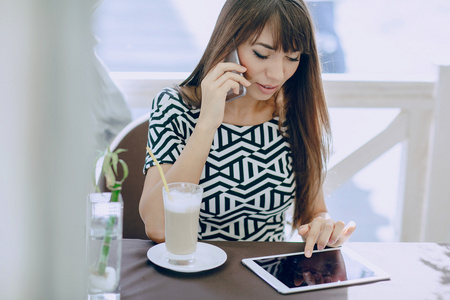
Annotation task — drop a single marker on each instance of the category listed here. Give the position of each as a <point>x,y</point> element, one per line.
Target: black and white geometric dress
<point>248,180</point>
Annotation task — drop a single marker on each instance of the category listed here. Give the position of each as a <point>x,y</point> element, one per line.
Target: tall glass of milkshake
<point>181,210</point>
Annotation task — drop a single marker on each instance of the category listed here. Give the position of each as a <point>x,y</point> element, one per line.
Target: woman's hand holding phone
<point>215,87</point>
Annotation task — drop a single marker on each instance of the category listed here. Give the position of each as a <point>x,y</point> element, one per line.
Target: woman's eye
<point>293,58</point>
<point>259,55</point>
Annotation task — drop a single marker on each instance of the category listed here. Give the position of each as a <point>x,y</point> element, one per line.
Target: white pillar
<point>414,168</point>
<point>437,201</point>
<point>45,157</point>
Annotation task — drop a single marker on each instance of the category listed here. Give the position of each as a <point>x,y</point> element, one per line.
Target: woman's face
<point>267,69</point>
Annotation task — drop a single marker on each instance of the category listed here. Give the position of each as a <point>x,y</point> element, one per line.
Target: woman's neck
<point>246,111</point>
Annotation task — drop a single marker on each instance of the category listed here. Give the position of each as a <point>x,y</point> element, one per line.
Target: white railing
<point>416,102</point>
<point>421,126</point>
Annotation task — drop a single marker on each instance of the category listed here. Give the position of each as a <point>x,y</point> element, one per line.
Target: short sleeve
<point>170,125</point>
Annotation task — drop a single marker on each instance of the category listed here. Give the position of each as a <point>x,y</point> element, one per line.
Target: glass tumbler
<point>104,242</point>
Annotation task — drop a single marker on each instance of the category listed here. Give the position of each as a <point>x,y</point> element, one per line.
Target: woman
<point>258,154</point>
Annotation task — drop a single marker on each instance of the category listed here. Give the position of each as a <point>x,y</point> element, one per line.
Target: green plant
<point>109,170</point>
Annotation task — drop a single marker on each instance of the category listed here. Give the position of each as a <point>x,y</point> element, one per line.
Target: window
<point>400,37</point>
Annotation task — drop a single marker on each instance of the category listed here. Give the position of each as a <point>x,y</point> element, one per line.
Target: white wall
<point>45,155</point>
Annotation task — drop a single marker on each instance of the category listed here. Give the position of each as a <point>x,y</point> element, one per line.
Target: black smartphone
<point>233,57</point>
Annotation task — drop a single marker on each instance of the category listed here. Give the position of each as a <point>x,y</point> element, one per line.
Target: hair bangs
<point>291,33</point>
<point>286,36</point>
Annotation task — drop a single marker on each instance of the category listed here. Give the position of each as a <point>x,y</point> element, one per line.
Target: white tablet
<point>328,268</point>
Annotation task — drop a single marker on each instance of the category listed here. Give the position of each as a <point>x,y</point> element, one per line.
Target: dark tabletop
<point>418,271</point>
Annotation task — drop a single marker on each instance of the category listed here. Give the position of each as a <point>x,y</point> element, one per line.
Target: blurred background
<point>354,36</point>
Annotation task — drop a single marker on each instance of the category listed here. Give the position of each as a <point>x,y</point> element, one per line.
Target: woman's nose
<point>275,71</point>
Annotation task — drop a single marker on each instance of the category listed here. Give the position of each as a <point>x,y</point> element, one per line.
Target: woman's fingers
<point>345,235</point>
<point>325,232</point>
<point>231,78</point>
<point>303,230</point>
<point>337,231</point>
<point>221,79</point>
<point>313,235</point>
<point>224,68</point>
<point>327,229</point>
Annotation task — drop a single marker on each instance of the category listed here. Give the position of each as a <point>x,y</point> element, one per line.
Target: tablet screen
<point>327,268</point>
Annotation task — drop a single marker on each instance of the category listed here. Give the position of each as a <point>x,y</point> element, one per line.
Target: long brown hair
<point>303,114</point>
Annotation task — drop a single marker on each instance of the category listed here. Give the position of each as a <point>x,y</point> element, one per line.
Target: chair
<point>133,138</point>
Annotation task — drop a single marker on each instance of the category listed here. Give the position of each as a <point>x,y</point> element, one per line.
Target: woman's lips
<point>267,89</point>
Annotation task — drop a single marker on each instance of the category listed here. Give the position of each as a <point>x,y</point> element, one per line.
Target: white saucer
<point>207,257</point>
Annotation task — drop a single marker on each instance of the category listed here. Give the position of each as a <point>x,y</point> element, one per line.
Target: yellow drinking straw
<point>160,170</point>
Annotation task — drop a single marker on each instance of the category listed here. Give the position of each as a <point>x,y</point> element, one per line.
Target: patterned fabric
<point>248,179</point>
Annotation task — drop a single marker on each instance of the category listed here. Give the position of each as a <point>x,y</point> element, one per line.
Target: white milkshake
<point>182,209</point>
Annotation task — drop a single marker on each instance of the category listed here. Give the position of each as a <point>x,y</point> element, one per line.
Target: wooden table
<point>418,271</point>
